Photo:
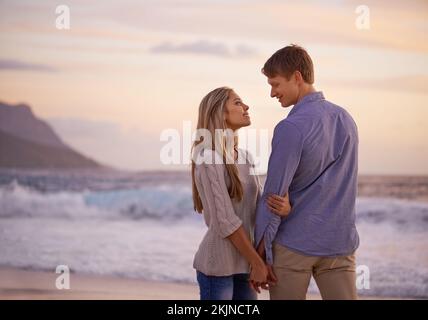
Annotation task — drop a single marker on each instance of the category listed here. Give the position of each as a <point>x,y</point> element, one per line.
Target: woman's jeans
<point>234,287</point>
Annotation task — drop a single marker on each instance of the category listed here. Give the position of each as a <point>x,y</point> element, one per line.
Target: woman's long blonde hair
<point>211,117</point>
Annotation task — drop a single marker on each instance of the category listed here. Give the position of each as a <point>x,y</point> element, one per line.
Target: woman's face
<point>236,113</point>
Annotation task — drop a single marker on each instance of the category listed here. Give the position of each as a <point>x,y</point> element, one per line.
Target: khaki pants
<point>335,277</point>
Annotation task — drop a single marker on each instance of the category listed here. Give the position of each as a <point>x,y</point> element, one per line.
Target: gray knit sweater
<point>217,256</point>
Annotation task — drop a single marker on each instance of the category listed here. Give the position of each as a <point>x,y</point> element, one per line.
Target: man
<point>315,159</point>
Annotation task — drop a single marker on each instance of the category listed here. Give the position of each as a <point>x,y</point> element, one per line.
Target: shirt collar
<point>310,97</point>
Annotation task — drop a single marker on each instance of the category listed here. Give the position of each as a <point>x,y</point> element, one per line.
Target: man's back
<point>324,186</point>
<point>315,158</point>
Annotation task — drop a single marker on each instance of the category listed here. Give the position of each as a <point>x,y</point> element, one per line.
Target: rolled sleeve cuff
<point>268,232</point>
<point>227,229</point>
<point>268,240</point>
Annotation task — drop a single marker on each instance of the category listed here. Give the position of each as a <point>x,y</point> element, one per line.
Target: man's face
<point>285,90</point>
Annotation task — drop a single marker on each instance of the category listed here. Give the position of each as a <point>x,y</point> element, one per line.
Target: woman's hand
<point>279,205</point>
<point>258,275</point>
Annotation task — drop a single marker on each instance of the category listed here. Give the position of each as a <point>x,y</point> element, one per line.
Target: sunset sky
<point>127,70</point>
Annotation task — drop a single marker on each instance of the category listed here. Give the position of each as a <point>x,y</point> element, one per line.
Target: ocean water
<point>142,225</point>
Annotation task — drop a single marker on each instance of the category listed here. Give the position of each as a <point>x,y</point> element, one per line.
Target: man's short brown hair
<point>287,60</point>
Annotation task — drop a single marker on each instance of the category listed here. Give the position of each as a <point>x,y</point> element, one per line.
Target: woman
<point>226,192</point>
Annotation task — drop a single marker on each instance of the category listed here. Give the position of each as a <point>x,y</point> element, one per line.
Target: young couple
<point>303,223</point>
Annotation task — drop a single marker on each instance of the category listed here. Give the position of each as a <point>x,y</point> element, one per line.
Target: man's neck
<point>307,89</point>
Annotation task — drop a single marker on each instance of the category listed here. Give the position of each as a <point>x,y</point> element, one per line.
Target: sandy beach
<point>18,284</point>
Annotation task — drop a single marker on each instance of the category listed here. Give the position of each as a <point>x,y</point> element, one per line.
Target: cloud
<point>204,47</point>
<point>9,64</point>
<point>408,83</point>
<point>324,22</point>
<point>305,22</point>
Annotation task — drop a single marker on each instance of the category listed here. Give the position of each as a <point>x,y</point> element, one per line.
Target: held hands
<point>267,277</point>
<point>258,275</point>
<point>270,280</point>
<point>279,205</point>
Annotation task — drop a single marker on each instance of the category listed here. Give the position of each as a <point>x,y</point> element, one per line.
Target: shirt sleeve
<point>223,218</point>
<point>287,145</point>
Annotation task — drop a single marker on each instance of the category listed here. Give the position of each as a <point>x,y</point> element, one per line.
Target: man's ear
<point>298,76</point>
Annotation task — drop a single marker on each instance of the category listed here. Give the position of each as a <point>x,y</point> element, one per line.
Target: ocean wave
<point>403,214</point>
<point>151,202</point>
<point>170,202</point>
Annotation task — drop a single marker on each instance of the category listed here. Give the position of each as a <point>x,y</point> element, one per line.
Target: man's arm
<point>287,145</point>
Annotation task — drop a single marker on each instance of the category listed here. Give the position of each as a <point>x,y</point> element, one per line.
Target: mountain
<point>29,142</point>
<point>19,121</point>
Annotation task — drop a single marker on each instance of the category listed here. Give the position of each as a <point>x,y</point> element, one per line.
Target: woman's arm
<point>241,241</point>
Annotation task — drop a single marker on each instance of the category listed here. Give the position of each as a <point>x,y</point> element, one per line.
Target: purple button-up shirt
<point>315,158</point>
